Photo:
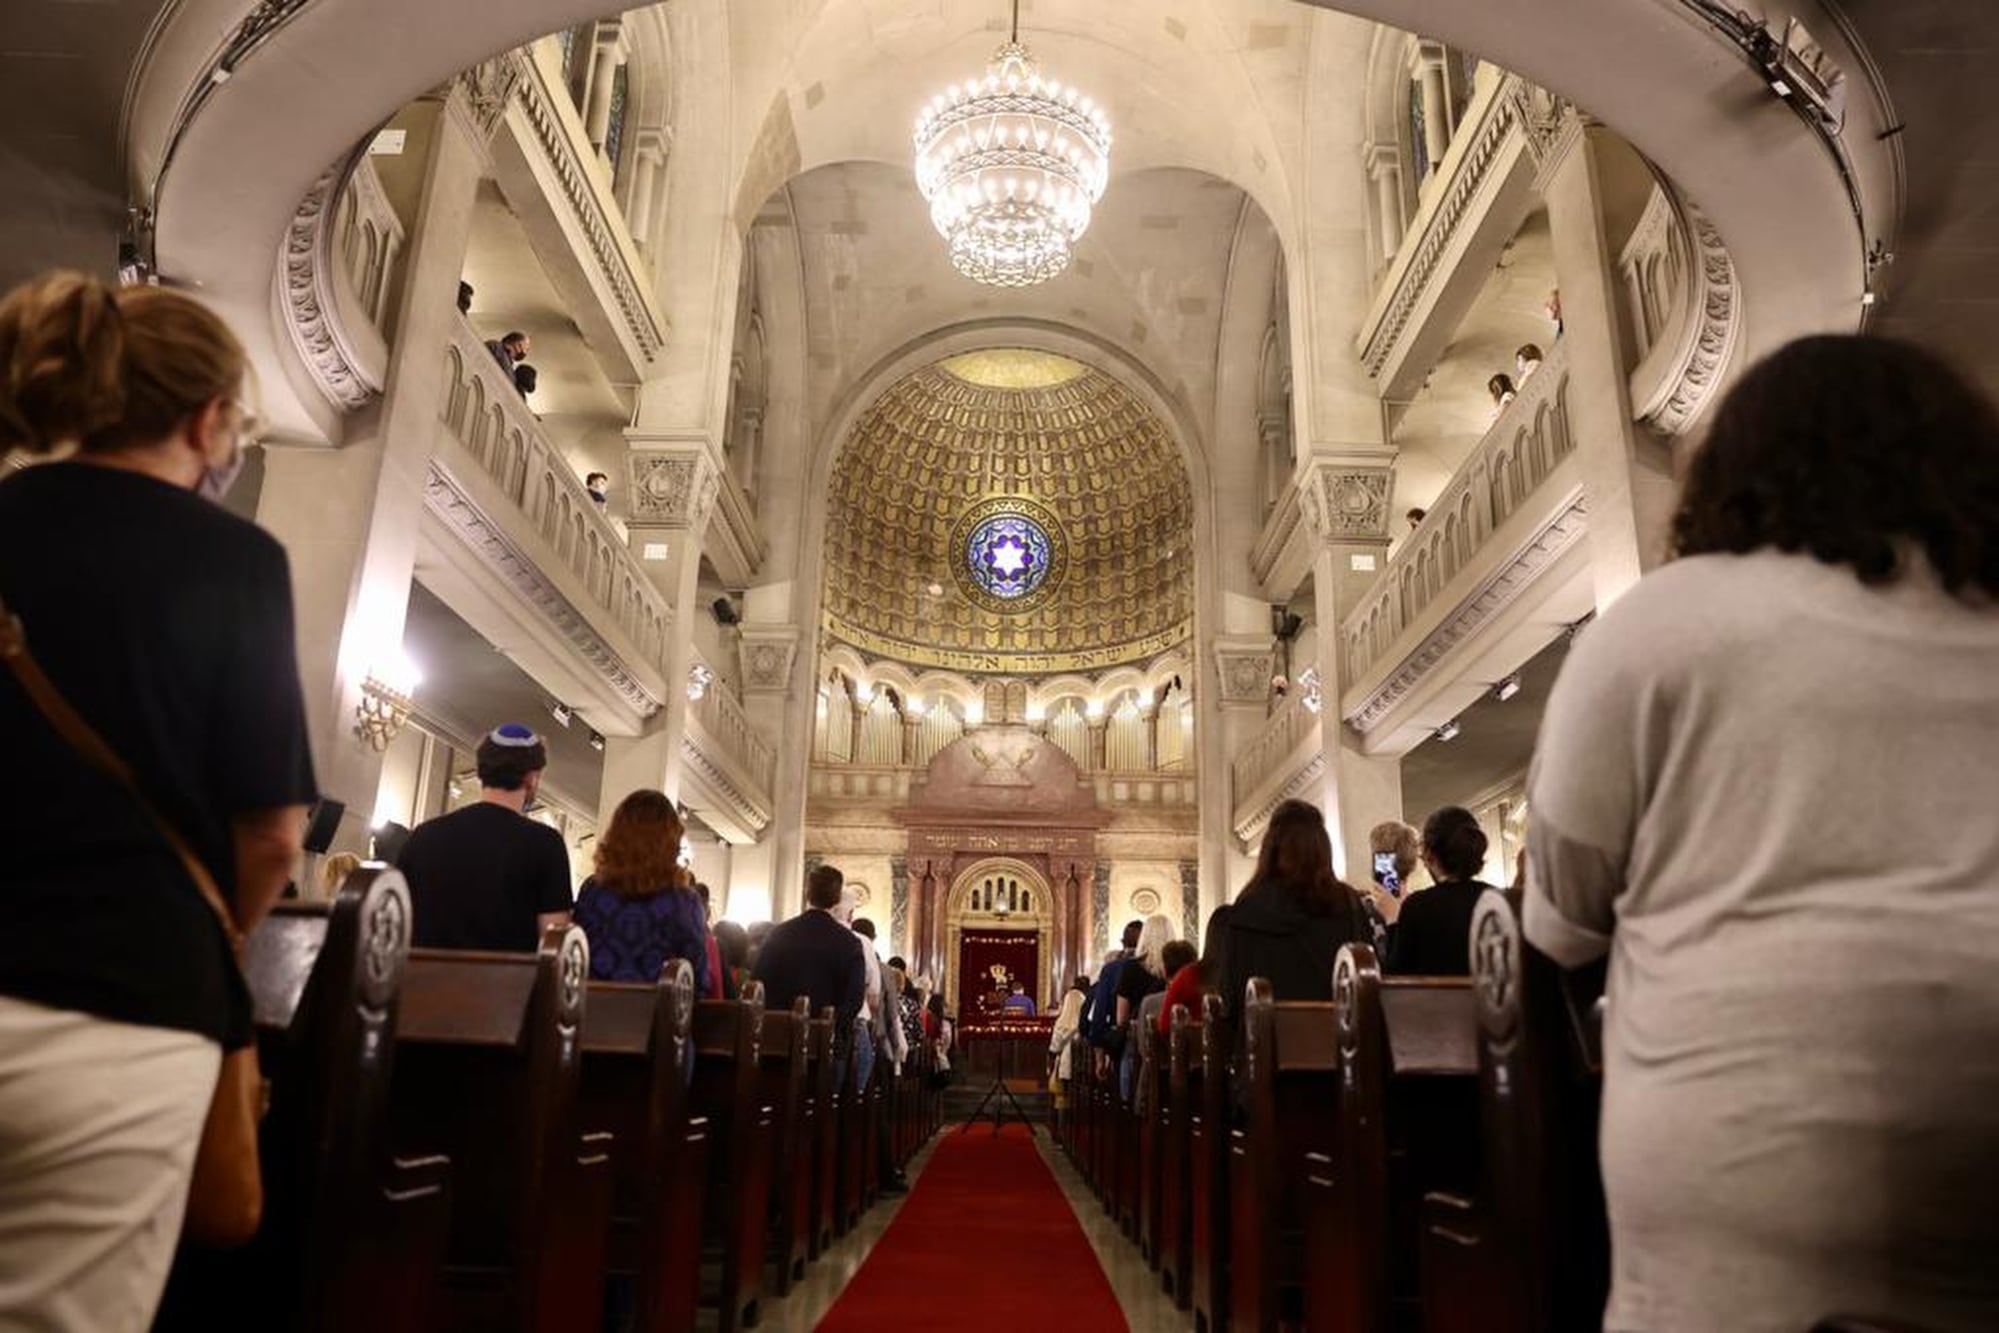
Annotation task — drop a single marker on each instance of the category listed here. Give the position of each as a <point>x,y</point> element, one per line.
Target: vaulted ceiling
<point>1009,512</point>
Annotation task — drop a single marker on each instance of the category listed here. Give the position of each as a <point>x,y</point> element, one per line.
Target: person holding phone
<point>1429,933</point>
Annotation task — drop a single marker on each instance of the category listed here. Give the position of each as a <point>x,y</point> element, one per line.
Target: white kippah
<point>514,736</point>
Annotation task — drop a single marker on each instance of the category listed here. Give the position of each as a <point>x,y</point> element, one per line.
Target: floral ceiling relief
<point>1010,512</point>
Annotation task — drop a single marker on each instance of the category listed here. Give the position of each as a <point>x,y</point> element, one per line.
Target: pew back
<point>487,1073</point>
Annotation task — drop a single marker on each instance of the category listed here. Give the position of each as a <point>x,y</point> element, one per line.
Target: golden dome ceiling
<point>1012,512</point>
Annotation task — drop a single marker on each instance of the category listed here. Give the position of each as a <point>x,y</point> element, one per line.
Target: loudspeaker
<point>725,611</point>
<point>323,823</point>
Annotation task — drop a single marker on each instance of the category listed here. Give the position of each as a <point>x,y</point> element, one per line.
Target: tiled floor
<point>1146,1308</point>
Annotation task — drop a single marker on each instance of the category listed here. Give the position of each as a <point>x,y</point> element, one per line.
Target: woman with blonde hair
<point>165,623</point>
<point>1142,975</point>
<point>639,909</point>
<point>333,872</point>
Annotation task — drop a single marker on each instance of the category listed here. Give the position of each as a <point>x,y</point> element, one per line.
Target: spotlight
<point>1449,731</point>
<point>597,742</point>
<point>1507,688</point>
<point>560,712</point>
<point>1868,297</point>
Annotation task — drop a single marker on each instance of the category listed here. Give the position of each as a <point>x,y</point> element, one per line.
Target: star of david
<point>1009,557</point>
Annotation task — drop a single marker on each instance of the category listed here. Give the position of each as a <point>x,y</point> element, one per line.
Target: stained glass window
<point>1008,555</point>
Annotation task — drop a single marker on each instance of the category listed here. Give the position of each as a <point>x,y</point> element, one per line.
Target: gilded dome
<point>1012,512</point>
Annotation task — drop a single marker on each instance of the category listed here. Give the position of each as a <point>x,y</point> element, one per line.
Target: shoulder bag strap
<point>97,752</point>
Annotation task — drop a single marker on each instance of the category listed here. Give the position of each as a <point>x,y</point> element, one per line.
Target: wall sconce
<point>1094,709</point>
<point>386,700</point>
<point>975,712</point>
<point>699,678</point>
<point>1308,681</point>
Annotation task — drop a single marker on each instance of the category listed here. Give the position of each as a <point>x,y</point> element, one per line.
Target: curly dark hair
<point>1852,450</point>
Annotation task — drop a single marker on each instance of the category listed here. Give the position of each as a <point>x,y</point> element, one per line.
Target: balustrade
<point>1524,445</point>
<point>485,413</point>
<point>368,238</point>
<point>1296,719</point>
<point>722,720</point>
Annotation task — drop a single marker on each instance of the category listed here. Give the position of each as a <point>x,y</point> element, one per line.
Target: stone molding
<point>1564,529</point>
<point>479,534</point>
<point>744,807</point>
<point>1243,668</point>
<point>1348,503</point>
<point>767,653</point>
<point>673,488</point>
<point>305,293</point>
<point>1714,320</point>
<point>1249,822</point>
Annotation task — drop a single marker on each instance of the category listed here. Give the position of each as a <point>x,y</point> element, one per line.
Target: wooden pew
<point>1407,1110</point>
<point>637,1051</point>
<point>1150,1110</point>
<point>852,1145</point>
<point>1286,1081</point>
<point>1528,1250</point>
<point>740,1122</point>
<point>487,1064</point>
<point>1176,1158</point>
<point>1211,1107</point>
<point>824,1093</point>
<point>352,1236</point>
<point>781,1060</point>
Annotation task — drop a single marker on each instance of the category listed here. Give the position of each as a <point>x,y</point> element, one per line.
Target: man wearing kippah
<point>486,876</point>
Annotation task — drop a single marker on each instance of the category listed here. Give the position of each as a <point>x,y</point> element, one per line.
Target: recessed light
<point>1507,688</point>
<point>1449,731</point>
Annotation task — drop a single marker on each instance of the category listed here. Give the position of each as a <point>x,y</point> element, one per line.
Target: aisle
<point>985,1241</point>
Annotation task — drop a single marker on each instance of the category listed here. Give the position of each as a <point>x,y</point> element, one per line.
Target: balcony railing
<point>1295,720</point>
<point>1530,438</point>
<point>724,723</point>
<point>484,412</point>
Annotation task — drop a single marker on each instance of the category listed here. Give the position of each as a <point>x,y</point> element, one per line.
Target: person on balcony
<point>1526,360</point>
<point>510,351</point>
<point>1501,388</point>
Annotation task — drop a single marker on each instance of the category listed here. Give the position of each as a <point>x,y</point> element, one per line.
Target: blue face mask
<point>216,481</point>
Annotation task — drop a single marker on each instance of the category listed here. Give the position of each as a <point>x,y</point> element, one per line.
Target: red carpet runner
<point>984,1242</point>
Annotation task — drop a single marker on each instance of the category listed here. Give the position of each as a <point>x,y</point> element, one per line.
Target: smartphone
<point>1384,873</point>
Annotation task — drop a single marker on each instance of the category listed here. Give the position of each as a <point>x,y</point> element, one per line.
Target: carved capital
<point>672,488</point>
<point>1244,667</point>
<point>1348,502</point>
<point>767,652</point>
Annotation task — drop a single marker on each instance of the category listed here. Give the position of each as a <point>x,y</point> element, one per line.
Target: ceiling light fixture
<point>1012,163</point>
<point>1507,688</point>
<point>1449,731</point>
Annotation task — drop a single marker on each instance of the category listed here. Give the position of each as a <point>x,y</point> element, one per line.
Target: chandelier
<point>1012,163</point>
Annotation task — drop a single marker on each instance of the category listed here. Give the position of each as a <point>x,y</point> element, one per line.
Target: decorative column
<point>1148,719</point>
<point>1097,727</point>
<point>912,736</point>
<point>607,53</point>
<point>1241,688</point>
<point>1384,171</point>
<point>1345,498</point>
<point>349,517</point>
<point>1627,480</point>
<point>671,487</point>
<point>649,151</point>
<point>1426,66</point>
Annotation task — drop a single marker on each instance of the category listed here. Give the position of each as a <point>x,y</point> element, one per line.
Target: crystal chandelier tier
<point>1012,164</point>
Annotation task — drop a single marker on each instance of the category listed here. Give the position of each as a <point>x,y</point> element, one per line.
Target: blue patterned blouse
<point>631,938</point>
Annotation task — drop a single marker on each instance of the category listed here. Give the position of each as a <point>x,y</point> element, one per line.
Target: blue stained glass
<point>1009,555</point>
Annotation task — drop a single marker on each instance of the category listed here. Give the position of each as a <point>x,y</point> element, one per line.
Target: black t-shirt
<point>480,876</point>
<point>167,623</point>
<point>1431,936</point>
<point>1136,981</point>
